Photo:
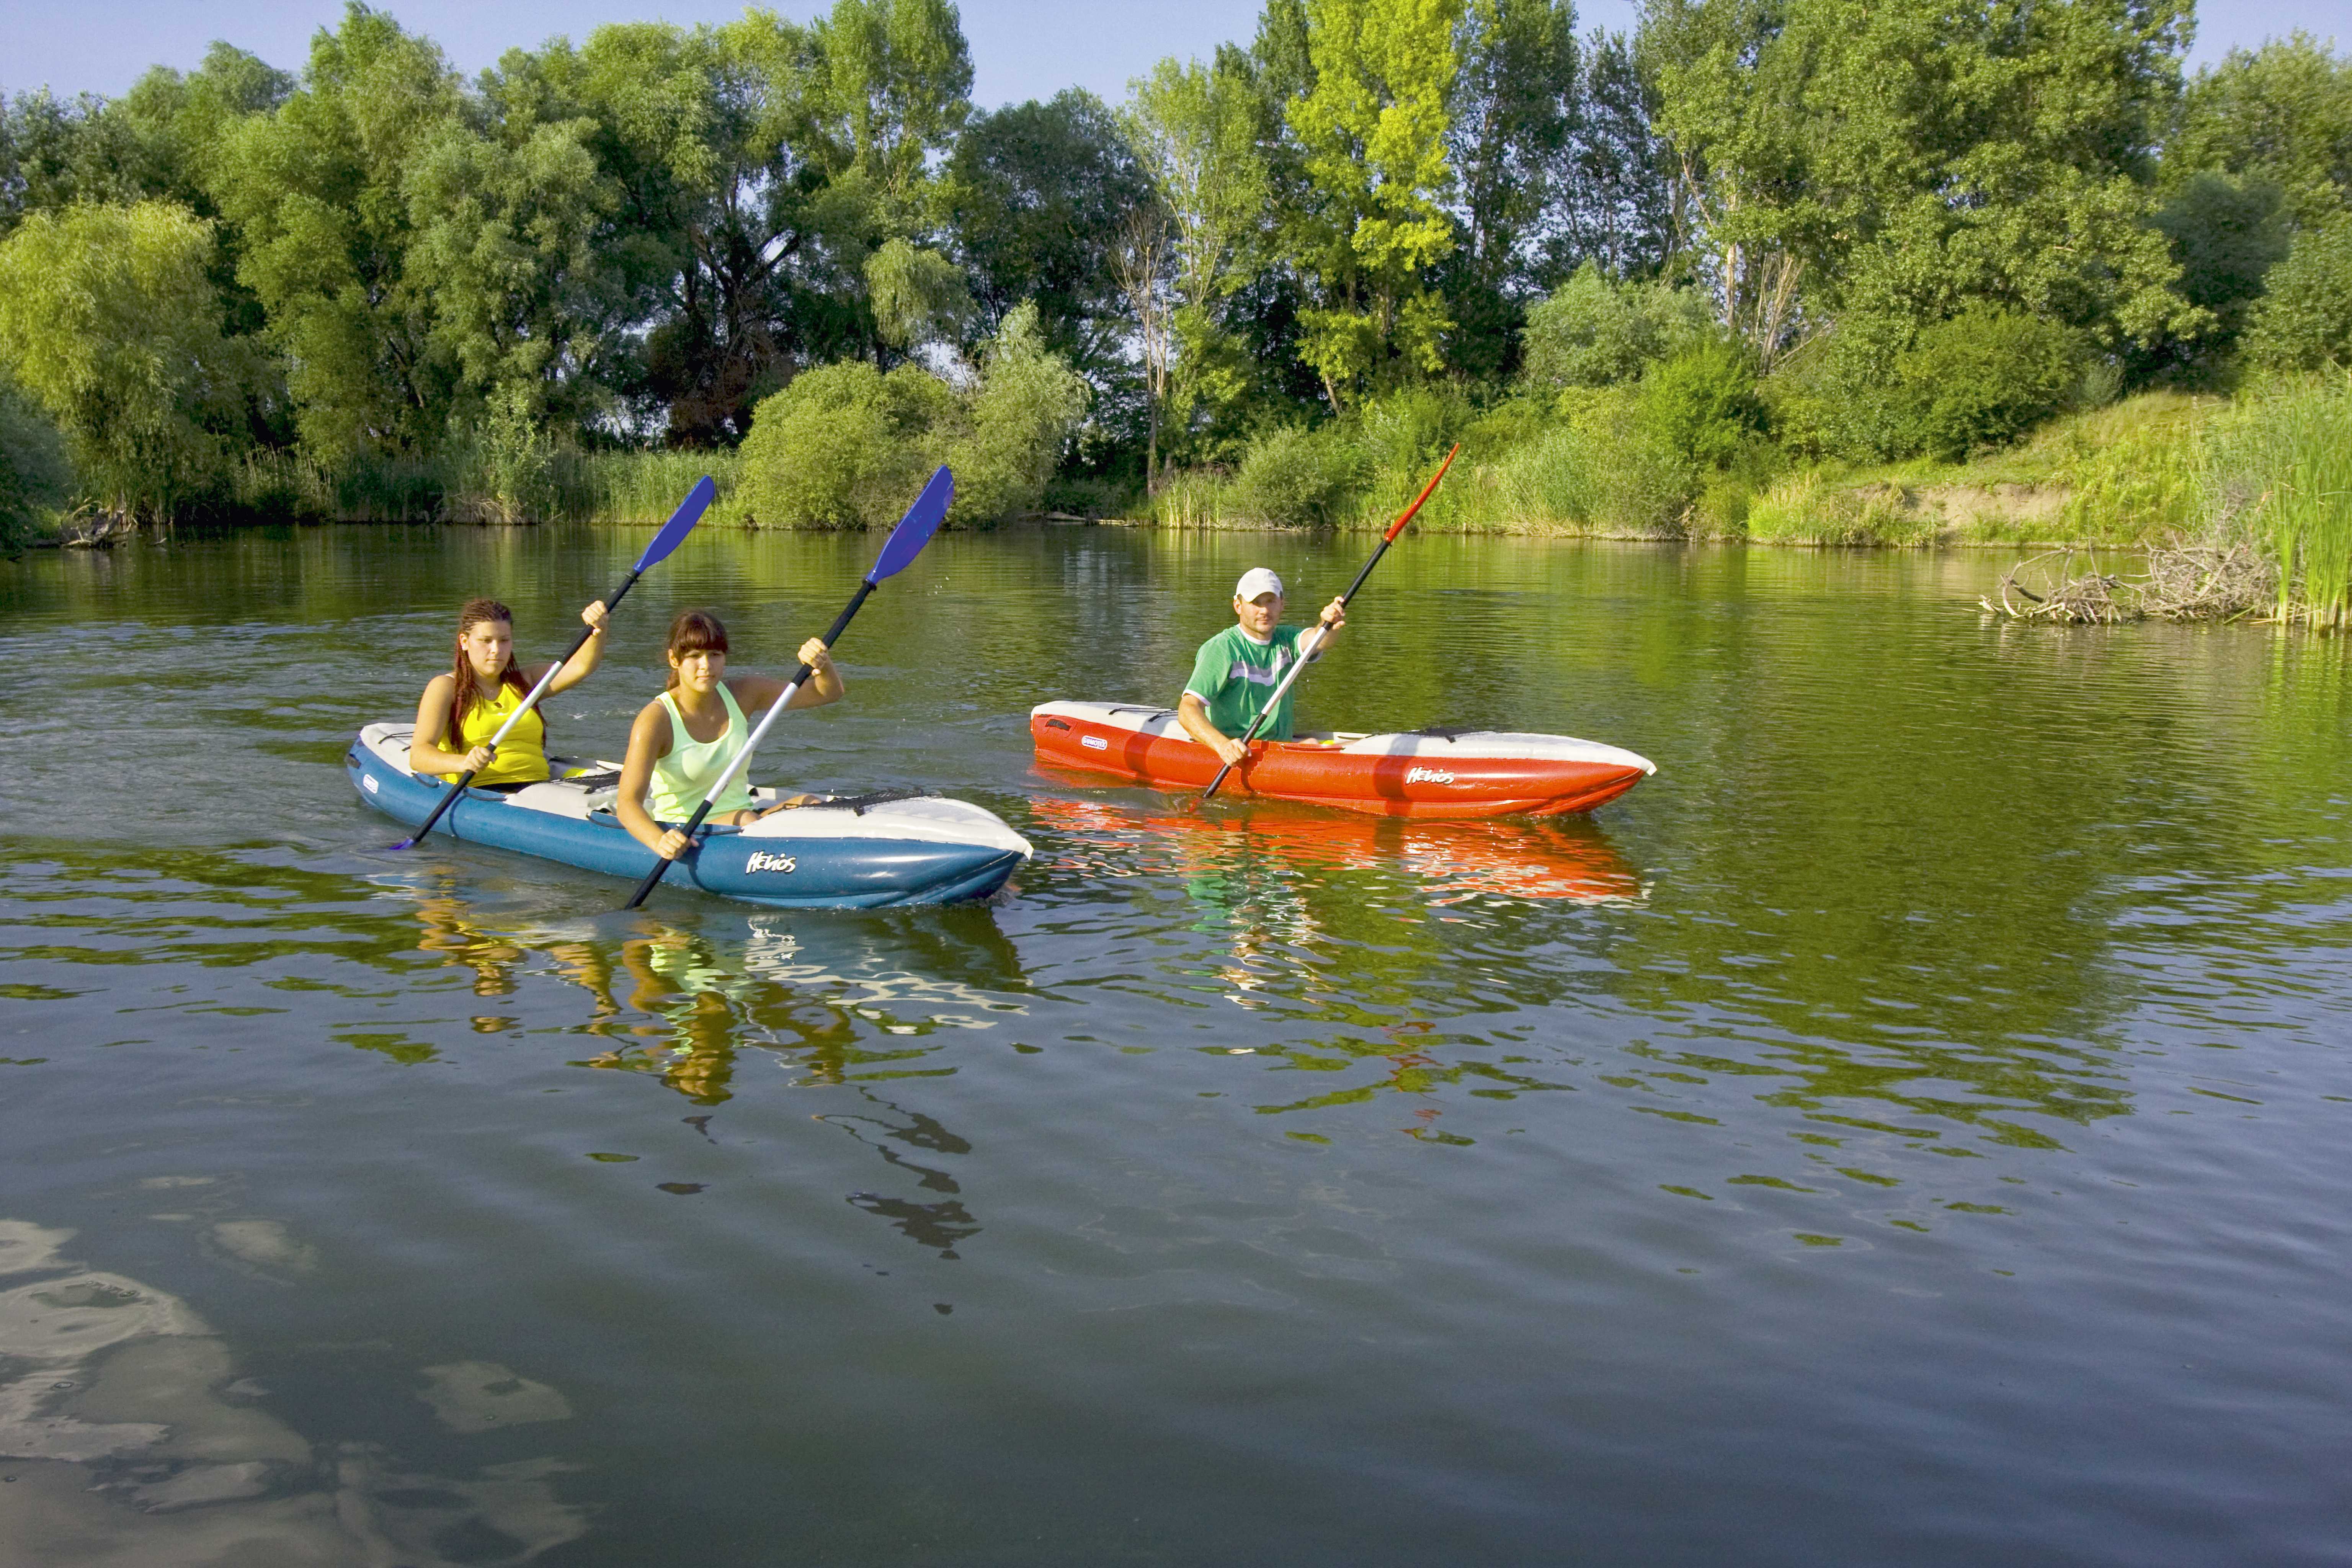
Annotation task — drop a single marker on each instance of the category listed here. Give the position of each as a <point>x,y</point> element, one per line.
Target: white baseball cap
<point>1255,581</point>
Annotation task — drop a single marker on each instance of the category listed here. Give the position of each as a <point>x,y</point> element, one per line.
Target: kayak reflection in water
<point>465,707</point>
<point>684,738</point>
<point>1235,672</point>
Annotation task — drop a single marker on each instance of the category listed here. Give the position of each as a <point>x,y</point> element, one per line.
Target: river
<point>1910,1128</point>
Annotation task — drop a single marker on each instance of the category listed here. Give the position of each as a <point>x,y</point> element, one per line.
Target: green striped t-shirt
<point>1235,675</point>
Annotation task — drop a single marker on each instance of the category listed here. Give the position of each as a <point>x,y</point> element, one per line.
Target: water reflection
<point>128,1438</point>
<point>1231,853</point>
<point>942,1224</point>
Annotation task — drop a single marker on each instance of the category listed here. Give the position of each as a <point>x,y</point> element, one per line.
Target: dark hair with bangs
<point>694,631</point>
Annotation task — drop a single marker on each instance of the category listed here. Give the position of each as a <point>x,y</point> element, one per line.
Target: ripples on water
<point>1907,1129</point>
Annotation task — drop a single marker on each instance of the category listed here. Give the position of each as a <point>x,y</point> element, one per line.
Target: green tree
<point>110,321</point>
<point>1038,197</point>
<point>1195,130</point>
<point>1372,129</point>
<point>318,190</point>
<point>2304,322</point>
<point>35,475</point>
<point>1595,331</point>
<point>1513,110</point>
<point>2279,114</point>
<point>1844,159</point>
<point>848,445</point>
<point>2226,234</point>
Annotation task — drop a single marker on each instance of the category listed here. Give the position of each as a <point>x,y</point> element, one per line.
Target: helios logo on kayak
<point>1427,775</point>
<point>1096,741</point>
<point>763,862</point>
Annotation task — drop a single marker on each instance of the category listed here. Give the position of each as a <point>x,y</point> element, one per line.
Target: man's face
<point>1258,616</point>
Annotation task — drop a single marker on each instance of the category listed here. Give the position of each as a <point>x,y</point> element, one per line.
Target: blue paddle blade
<point>681,523</point>
<point>915,529</point>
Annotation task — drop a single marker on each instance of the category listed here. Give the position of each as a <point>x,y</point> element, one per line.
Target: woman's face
<point>488,644</point>
<point>699,671</point>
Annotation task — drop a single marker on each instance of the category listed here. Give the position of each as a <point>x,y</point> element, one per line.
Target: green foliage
<point>1598,471</point>
<point>1596,331</point>
<point>2280,115</point>
<point>1702,405</point>
<point>848,445</point>
<point>1373,128</point>
<point>842,447</point>
<point>109,319</point>
<point>2226,233</point>
<point>36,477</point>
<point>1981,379</point>
<point>1295,476</point>
<point>1014,424</point>
<point>2305,321</point>
<point>1038,197</point>
<point>1906,160</point>
<point>2284,466</point>
<point>316,190</point>
<point>919,296</point>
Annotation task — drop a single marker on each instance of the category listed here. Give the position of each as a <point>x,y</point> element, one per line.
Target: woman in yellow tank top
<point>684,738</point>
<point>462,709</point>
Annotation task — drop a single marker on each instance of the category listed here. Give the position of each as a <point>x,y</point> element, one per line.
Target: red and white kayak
<point>1422,773</point>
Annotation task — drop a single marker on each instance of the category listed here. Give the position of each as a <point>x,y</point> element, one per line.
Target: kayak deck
<point>1430,774</point>
<point>892,847</point>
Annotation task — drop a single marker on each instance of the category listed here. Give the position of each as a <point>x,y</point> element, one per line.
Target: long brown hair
<point>471,615</point>
<point>694,631</point>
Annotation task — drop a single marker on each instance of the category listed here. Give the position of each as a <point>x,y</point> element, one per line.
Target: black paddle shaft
<point>840,624</point>
<point>466,779</point>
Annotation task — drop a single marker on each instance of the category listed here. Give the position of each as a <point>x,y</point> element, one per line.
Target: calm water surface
<point>1909,1128</point>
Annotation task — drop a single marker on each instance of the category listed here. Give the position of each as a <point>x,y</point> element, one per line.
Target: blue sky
<point>1021,48</point>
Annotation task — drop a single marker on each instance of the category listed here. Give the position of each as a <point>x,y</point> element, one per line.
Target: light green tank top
<point>681,779</point>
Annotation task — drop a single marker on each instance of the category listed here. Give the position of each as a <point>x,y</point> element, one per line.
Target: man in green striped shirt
<point>1235,672</point>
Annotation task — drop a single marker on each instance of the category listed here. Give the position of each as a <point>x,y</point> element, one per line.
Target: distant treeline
<point>1646,276</point>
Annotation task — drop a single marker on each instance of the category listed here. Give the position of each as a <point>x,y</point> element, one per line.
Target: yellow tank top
<point>522,755</point>
<point>682,778</point>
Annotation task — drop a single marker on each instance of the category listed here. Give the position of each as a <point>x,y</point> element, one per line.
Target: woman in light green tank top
<point>684,738</point>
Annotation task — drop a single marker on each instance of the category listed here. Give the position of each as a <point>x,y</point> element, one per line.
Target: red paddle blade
<point>1406,516</point>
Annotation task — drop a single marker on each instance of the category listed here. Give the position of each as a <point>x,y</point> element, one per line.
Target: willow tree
<point>110,321</point>
<point>1372,129</point>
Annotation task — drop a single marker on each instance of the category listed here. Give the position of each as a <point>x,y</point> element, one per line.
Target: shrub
<point>847,446</point>
<point>2305,321</point>
<point>1013,426</point>
<point>1597,471</point>
<point>1294,478</point>
<point>1702,405</point>
<point>1981,379</point>
<point>1596,332</point>
<point>843,445</point>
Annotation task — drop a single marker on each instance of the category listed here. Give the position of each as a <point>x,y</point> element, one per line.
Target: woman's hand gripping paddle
<point>1314,640</point>
<point>681,523</point>
<point>906,542</point>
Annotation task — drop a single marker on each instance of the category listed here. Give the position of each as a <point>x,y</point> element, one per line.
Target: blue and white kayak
<point>894,846</point>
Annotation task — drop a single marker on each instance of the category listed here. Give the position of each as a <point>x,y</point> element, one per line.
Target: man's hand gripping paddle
<point>906,542</point>
<point>681,523</point>
<point>1314,640</point>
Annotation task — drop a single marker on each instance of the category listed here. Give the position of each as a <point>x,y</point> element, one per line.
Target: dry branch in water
<point>2181,583</point>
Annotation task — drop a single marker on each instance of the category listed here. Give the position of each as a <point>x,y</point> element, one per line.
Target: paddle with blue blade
<point>899,552</point>
<point>673,533</point>
<point>1314,640</point>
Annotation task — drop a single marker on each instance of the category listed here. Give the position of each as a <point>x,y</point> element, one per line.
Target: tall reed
<point>2285,465</point>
